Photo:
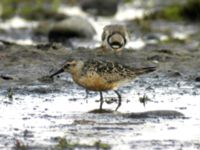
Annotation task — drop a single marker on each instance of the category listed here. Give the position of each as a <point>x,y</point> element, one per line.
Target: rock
<point>197,79</point>
<point>173,73</point>
<point>5,77</point>
<point>73,27</point>
<point>2,46</point>
<point>165,114</point>
<point>43,28</point>
<point>100,7</point>
<point>98,111</point>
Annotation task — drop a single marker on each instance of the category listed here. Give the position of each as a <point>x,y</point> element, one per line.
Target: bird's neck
<point>76,71</point>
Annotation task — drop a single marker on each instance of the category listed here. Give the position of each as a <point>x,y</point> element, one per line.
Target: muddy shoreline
<point>25,65</point>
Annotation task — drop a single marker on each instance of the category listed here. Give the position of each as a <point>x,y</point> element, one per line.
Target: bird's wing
<point>110,71</point>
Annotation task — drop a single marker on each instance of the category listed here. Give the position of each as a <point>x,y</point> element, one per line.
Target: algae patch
<point>63,144</point>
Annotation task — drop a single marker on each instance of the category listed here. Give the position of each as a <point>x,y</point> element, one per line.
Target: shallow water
<point>39,119</point>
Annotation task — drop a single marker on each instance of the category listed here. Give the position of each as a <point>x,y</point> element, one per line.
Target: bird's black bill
<point>57,72</point>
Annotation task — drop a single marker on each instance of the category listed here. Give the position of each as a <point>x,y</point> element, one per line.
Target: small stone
<point>73,27</point>
<point>197,79</point>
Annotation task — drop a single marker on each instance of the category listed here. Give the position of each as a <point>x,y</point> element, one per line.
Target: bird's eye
<point>67,65</point>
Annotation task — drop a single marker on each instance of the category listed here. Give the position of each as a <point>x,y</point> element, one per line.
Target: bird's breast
<point>94,82</point>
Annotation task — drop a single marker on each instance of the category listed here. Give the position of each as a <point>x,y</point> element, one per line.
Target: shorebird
<point>101,76</point>
<point>114,37</point>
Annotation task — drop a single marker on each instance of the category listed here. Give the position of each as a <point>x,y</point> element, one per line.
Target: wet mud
<point>42,109</point>
<point>159,110</point>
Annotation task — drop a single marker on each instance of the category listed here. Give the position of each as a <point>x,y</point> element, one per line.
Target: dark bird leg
<point>101,100</point>
<point>86,95</point>
<point>119,99</point>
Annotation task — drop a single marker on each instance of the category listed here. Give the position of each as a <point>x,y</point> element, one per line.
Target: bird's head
<point>70,66</point>
<point>115,37</point>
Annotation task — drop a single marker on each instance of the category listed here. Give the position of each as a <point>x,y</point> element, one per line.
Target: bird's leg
<point>119,99</point>
<point>87,93</point>
<point>101,100</point>
<point>86,96</point>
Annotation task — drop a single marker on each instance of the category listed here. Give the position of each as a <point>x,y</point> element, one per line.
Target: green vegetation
<point>64,144</point>
<point>174,40</point>
<point>41,9</point>
<point>173,12</point>
<point>100,145</point>
<point>128,1</point>
<point>31,9</point>
<point>177,12</point>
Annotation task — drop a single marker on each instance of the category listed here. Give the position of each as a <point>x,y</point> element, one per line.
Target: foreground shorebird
<point>114,37</point>
<point>101,76</point>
